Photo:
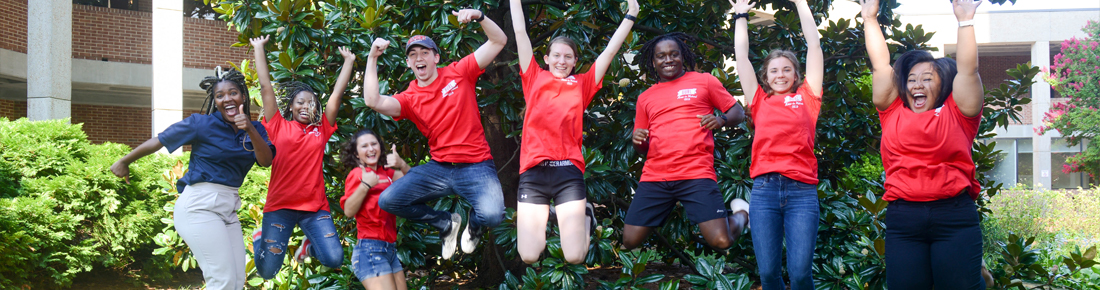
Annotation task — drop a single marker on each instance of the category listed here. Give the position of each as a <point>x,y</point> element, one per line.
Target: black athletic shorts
<point>557,180</point>
<point>653,201</point>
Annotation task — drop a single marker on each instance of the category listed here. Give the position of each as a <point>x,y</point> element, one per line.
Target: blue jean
<point>936,243</point>
<point>784,210</point>
<point>475,182</point>
<point>277,226</point>
<point>373,258</point>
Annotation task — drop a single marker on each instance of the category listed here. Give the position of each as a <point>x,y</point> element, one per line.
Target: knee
<point>332,259</point>
<point>529,258</point>
<point>490,216</point>
<point>387,203</point>
<point>720,242</point>
<point>575,258</point>
<point>630,243</point>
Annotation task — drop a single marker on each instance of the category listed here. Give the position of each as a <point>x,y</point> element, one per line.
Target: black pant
<point>936,243</point>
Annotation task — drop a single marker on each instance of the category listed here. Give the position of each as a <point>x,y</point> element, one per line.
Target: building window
<point>1059,152</point>
<point>116,4</point>
<point>1025,173</point>
<point>1015,164</point>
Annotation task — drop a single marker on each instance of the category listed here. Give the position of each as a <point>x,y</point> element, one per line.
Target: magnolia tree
<point>1075,74</point>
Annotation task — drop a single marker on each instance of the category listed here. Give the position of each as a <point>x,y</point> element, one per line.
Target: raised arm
<point>968,90</point>
<point>882,75</point>
<point>497,39</point>
<point>337,96</point>
<point>745,71</point>
<point>815,59</point>
<point>271,107</point>
<point>383,104</point>
<point>609,52</point>
<point>523,42</point>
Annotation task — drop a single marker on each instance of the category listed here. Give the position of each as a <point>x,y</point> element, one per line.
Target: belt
<point>556,163</point>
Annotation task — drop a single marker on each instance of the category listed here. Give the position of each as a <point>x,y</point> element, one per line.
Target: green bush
<point>61,210</point>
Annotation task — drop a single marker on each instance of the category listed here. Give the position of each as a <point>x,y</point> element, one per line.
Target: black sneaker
<point>590,214</point>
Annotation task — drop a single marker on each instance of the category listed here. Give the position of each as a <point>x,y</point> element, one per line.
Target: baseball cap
<point>421,41</point>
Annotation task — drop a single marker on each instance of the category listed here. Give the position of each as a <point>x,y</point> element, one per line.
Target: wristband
<point>631,17</point>
<point>966,23</point>
<point>741,15</point>
<point>479,19</point>
<point>369,187</point>
<point>724,119</point>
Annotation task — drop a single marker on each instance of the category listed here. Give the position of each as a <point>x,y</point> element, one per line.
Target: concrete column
<point>49,59</point>
<point>167,64</point>
<point>1040,104</point>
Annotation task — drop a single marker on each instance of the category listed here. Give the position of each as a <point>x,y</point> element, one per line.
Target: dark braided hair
<point>290,91</point>
<point>210,84</point>
<point>648,50</point>
<point>349,155</point>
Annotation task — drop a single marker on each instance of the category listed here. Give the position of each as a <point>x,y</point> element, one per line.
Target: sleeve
<point>275,123</point>
<point>351,183</point>
<point>719,97</point>
<point>326,128</point>
<point>757,98</point>
<point>260,128</point>
<point>181,133</point>
<point>969,124</point>
<point>468,68</point>
<point>641,116</point>
<point>406,106</point>
<point>591,86</point>
<point>528,77</point>
<point>811,100</point>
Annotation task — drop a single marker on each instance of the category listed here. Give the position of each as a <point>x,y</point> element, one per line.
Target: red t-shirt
<point>446,112</point>
<point>297,182</point>
<point>553,125</point>
<point>784,137</point>
<point>371,221</point>
<point>927,156</point>
<point>679,148</point>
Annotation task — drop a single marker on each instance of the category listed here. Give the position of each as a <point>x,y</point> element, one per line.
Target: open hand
<point>965,9</point>
<point>467,15</point>
<point>258,41</point>
<point>640,136</point>
<point>346,53</point>
<point>741,6</point>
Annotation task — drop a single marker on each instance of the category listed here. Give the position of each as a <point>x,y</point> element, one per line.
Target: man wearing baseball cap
<point>443,105</point>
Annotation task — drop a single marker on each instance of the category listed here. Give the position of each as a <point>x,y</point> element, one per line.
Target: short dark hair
<point>764,72</point>
<point>945,68</point>
<point>290,91</point>
<point>349,155</point>
<point>210,84</point>
<point>647,51</point>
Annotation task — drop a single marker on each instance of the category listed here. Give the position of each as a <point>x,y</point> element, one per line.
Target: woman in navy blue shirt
<point>222,152</point>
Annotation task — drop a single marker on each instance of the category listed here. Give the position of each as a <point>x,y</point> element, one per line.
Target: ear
<point>437,58</point>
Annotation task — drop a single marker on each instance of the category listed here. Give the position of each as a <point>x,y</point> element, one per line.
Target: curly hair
<point>210,84</point>
<point>648,50</point>
<point>290,90</point>
<point>349,153</point>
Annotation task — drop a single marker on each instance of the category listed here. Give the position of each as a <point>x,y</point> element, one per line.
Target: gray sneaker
<point>470,237</point>
<point>450,237</point>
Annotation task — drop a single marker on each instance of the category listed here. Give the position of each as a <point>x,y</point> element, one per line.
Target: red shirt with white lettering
<point>927,156</point>
<point>553,125</point>
<point>297,182</point>
<point>679,147</point>
<point>784,134</point>
<point>446,112</point>
<point>371,221</point>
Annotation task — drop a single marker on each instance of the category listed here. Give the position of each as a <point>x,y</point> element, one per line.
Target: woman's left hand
<point>243,122</point>
<point>965,9</point>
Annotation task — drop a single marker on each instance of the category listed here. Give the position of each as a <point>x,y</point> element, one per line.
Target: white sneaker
<point>737,205</point>
<point>450,238</point>
<point>469,239</point>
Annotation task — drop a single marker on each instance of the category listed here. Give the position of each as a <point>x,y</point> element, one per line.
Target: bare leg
<point>573,226</point>
<point>531,229</point>
<point>634,236</point>
<point>723,232</point>
<point>384,282</point>
<point>399,280</point>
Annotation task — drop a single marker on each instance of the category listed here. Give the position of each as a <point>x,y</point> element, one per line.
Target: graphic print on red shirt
<point>371,221</point>
<point>784,134</point>
<point>553,122</point>
<point>297,181</point>
<point>679,148</point>
<point>927,156</point>
<point>446,112</point>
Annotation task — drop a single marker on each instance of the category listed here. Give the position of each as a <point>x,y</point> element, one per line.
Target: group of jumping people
<point>932,238</point>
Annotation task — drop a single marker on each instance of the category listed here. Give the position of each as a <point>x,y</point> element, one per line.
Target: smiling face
<point>423,62</point>
<point>668,60</point>
<point>303,107</point>
<point>229,99</point>
<point>561,59</point>
<point>368,150</point>
<point>922,87</point>
<point>781,75</point>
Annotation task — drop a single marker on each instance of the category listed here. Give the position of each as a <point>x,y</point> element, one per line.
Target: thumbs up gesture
<point>393,160</point>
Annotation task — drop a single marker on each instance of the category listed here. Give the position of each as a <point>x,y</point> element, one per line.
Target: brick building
<point>112,65</point>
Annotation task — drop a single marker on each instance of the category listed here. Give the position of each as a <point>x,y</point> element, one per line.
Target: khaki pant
<point>206,219</point>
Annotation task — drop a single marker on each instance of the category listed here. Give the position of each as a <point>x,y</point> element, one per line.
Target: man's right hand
<point>641,136</point>
<point>378,47</point>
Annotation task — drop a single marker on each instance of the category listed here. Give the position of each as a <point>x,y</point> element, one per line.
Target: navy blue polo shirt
<point>218,152</point>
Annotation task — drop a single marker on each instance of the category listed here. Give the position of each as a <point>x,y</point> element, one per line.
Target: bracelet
<point>966,23</point>
<point>741,15</point>
<point>631,17</point>
<point>369,187</point>
<point>724,119</point>
<point>479,19</point>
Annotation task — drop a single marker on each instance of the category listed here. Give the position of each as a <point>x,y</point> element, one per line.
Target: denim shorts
<point>373,258</point>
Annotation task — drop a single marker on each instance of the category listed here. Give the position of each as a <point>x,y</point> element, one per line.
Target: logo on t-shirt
<point>569,80</point>
<point>938,111</point>
<point>686,94</point>
<point>449,89</point>
<point>793,101</point>
<point>313,131</point>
